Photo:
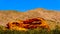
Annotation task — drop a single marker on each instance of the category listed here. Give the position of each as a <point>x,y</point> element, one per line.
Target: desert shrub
<point>38,31</point>
<point>22,32</point>
<point>31,31</point>
<point>56,30</point>
<point>1,27</point>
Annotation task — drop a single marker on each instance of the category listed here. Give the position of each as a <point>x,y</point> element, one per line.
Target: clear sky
<point>24,5</point>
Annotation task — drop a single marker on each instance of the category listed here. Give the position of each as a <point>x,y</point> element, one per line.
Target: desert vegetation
<point>34,31</point>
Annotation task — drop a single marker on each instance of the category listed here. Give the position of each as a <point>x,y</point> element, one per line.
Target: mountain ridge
<point>53,17</point>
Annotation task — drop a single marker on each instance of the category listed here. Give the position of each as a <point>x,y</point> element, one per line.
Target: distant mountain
<point>52,17</point>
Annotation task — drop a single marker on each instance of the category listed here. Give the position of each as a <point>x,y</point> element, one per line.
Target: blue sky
<point>24,5</point>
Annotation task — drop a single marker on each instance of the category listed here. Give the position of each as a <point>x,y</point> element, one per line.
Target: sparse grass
<point>34,31</point>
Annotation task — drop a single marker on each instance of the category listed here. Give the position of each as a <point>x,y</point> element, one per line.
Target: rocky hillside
<point>52,17</point>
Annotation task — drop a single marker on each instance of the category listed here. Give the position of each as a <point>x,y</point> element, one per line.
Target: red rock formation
<point>29,24</point>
